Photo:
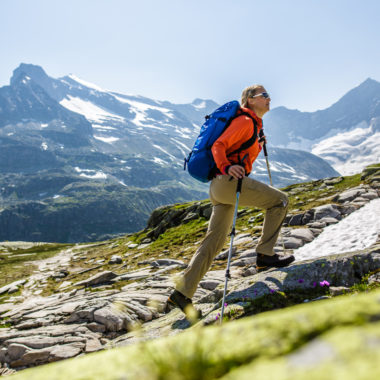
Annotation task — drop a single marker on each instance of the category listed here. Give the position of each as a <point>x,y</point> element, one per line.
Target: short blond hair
<point>248,92</point>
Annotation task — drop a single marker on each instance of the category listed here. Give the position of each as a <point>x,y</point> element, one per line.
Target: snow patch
<point>108,140</point>
<point>103,127</point>
<point>201,105</point>
<point>159,161</point>
<point>89,110</point>
<point>164,151</point>
<point>90,173</point>
<point>140,109</point>
<point>85,83</point>
<point>357,231</point>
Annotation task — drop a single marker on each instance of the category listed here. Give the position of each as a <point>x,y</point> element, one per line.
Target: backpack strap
<point>253,138</point>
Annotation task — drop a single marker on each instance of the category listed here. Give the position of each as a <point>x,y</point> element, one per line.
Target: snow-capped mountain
<point>345,134</point>
<point>350,151</point>
<point>67,144</point>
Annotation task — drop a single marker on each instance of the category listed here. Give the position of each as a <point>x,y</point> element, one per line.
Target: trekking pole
<point>270,177</point>
<point>238,191</point>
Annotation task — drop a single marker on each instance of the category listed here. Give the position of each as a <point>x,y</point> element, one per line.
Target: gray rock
<point>292,243</point>
<point>36,341</point>
<point>315,231</point>
<point>333,181</point>
<point>318,224</point>
<point>16,351</point>
<point>242,262</point>
<point>250,271</point>
<point>13,289</point>
<point>329,220</point>
<point>167,262</point>
<point>32,357</point>
<point>93,345</point>
<point>190,216</point>
<point>302,233</point>
<point>112,319</point>
<point>65,351</point>
<point>224,254</point>
<point>115,259</point>
<point>243,240</point>
<point>296,220</point>
<point>96,327</point>
<point>337,290</point>
<point>135,275</point>
<point>15,284</point>
<point>99,278</point>
<point>371,194</point>
<point>348,209</point>
<point>326,211</point>
<point>375,278</point>
<point>248,253</point>
<point>348,195</point>
<point>210,284</point>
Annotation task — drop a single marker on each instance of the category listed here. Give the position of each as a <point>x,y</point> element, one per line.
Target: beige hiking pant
<point>223,198</point>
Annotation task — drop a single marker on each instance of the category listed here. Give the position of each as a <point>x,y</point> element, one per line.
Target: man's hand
<point>262,140</point>
<point>236,171</point>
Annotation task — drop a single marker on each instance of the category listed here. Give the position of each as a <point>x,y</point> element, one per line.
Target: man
<point>256,102</point>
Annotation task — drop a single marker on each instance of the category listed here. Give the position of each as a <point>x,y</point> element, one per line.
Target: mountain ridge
<point>129,142</point>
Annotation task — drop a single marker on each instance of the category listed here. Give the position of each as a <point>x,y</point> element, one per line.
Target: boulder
<point>348,195</point>
<point>302,233</point>
<point>327,211</point>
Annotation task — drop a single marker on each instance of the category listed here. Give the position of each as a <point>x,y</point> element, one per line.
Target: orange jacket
<point>239,131</point>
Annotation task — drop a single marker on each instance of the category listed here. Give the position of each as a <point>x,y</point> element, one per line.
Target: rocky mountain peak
<point>34,72</point>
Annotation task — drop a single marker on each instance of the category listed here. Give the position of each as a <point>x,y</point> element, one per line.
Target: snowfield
<point>349,152</point>
<point>357,231</point>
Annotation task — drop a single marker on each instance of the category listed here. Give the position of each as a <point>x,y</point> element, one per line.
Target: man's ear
<point>250,102</point>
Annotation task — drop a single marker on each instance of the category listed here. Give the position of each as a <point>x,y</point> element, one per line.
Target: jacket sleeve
<point>231,139</point>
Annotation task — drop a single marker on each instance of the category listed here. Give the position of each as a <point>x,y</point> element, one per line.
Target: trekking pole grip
<point>261,135</point>
<point>265,150</point>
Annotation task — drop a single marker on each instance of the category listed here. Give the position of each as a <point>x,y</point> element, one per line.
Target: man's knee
<point>284,200</point>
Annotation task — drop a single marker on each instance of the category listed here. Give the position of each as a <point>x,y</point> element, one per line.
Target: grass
<point>17,264</point>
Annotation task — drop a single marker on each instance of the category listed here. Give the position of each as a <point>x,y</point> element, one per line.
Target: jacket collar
<point>248,110</point>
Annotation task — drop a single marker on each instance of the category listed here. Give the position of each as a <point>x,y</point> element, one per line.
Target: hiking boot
<point>177,299</point>
<point>264,262</point>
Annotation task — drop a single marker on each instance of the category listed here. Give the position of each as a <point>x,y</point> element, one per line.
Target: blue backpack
<point>200,161</point>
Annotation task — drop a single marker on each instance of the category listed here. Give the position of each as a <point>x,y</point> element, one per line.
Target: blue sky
<point>307,53</point>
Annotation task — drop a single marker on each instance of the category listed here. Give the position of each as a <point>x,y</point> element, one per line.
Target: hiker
<point>256,102</point>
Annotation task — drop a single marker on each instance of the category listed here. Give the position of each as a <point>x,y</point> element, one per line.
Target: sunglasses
<point>263,94</point>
